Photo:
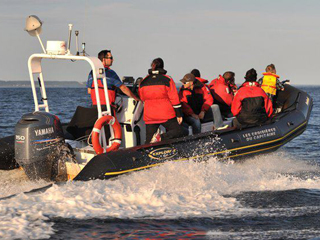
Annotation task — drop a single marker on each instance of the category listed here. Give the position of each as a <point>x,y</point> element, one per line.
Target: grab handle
<point>290,124</point>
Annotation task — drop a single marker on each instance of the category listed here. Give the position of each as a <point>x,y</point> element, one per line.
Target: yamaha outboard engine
<point>37,138</point>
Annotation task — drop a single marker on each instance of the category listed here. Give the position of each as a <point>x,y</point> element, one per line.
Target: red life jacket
<point>251,105</point>
<point>159,94</point>
<point>221,91</point>
<point>202,80</point>
<point>111,93</point>
<point>196,100</point>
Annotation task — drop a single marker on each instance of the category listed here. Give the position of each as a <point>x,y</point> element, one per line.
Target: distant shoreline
<point>48,84</point>
<point>46,87</point>
<point>75,84</point>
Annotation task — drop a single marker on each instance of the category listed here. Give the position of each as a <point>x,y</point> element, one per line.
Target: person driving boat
<point>113,81</point>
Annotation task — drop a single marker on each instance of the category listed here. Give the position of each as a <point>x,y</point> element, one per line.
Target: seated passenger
<point>222,90</point>
<point>161,104</point>
<point>270,82</point>
<point>251,106</point>
<point>196,100</point>
<point>197,75</point>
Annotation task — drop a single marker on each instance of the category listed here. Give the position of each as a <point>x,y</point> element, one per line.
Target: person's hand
<point>195,116</point>
<point>201,115</point>
<point>179,119</point>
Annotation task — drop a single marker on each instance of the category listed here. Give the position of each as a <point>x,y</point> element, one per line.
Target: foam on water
<point>15,181</point>
<point>273,234</point>
<point>173,190</point>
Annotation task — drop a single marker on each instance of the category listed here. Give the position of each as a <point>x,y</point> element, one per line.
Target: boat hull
<point>7,160</point>
<point>231,143</point>
<point>224,144</point>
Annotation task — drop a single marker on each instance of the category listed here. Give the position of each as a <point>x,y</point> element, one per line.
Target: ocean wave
<point>174,190</point>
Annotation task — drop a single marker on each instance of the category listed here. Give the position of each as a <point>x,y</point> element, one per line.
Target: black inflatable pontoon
<point>296,107</point>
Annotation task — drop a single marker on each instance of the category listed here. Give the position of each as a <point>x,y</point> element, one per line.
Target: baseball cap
<point>188,78</point>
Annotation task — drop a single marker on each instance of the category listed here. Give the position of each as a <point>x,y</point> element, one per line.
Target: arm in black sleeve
<point>178,110</point>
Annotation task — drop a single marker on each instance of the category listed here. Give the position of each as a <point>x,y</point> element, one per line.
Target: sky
<point>211,35</point>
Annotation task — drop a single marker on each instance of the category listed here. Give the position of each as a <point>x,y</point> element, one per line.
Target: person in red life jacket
<point>113,82</point>
<point>251,106</point>
<point>161,104</point>
<point>197,75</point>
<point>270,82</point>
<point>233,86</point>
<point>222,90</point>
<point>196,101</point>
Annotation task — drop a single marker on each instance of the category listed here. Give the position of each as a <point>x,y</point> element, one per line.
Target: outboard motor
<point>38,136</point>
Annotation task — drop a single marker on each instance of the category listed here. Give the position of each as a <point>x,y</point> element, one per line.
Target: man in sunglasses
<point>113,82</point>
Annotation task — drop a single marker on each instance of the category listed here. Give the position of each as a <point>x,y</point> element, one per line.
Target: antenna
<point>77,43</point>
<point>33,27</point>
<point>69,40</point>
<point>84,49</point>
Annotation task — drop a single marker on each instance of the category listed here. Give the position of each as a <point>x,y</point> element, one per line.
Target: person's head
<point>157,64</point>
<point>251,75</point>
<point>229,77</point>
<point>271,68</point>
<point>196,73</point>
<point>106,57</point>
<point>188,80</point>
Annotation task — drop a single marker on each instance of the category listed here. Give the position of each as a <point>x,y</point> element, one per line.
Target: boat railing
<point>34,66</point>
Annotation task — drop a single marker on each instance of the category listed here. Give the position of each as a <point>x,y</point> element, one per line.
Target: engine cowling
<point>37,137</point>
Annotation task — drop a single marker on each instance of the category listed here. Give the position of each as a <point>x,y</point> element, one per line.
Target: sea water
<point>272,196</point>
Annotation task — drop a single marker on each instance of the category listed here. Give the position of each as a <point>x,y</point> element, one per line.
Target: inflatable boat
<point>45,149</point>
<point>228,143</point>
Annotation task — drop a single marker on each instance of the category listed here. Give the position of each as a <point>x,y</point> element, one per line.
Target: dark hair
<point>102,54</point>
<point>271,68</point>
<point>157,64</point>
<point>195,72</point>
<point>251,75</point>
<point>229,76</point>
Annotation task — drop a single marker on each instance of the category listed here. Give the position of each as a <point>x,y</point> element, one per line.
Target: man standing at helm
<point>113,82</point>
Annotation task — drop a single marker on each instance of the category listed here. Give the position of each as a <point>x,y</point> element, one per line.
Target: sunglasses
<point>109,58</point>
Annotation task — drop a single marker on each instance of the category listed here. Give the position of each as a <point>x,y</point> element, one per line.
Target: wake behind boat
<point>40,139</point>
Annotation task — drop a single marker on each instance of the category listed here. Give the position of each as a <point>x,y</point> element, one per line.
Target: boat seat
<point>208,126</point>
<point>208,117</point>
